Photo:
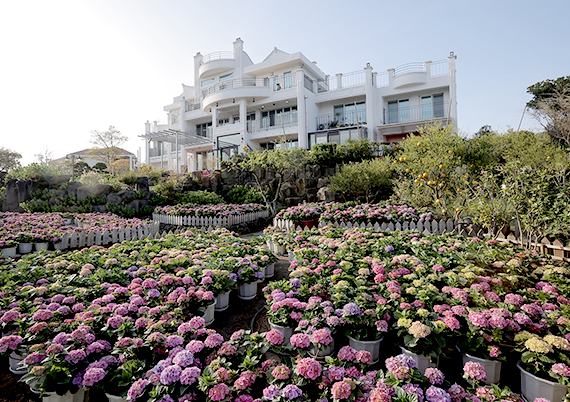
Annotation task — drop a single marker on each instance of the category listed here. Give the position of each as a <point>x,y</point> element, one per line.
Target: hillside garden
<point>359,312</point>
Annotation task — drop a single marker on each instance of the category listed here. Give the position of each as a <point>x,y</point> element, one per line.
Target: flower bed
<point>53,228</point>
<point>428,294</point>
<point>209,215</point>
<point>352,213</point>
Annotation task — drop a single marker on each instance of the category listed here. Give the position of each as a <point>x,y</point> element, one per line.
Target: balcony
<point>235,88</point>
<point>418,113</point>
<point>346,119</point>
<point>254,126</point>
<point>216,63</point>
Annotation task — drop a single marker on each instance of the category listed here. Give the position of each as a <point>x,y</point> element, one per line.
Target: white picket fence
<point>208,221</point>
<point>432,227</point>
<point>103,238</point>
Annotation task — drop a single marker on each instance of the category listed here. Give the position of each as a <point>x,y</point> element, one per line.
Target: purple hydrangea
<point>170,374</point>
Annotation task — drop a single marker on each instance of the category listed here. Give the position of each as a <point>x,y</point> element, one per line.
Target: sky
<point>70,67</point>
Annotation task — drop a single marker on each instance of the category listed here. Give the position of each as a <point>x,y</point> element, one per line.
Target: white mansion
<point>286,100</point>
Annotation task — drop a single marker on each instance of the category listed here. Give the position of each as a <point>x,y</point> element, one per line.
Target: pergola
<point>178,138</point>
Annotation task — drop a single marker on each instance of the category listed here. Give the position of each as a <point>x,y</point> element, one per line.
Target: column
<point>301,109</point>
<point>452,89</point>
<point>245,142</point>
<point>370,92</point>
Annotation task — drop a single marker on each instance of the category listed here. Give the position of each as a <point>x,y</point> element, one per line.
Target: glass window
<point>438,109</point>
<point>205,83</point>
<point>276,85</point>
<point>266,82</point>
<point>287,80</point>
<point>426,107</point>
<point>392,112</point>
<point>226,77</point>
<point>404,110</point>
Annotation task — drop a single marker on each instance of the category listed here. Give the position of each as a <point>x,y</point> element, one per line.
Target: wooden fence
<point>208,221</point>
<point>555,248</point>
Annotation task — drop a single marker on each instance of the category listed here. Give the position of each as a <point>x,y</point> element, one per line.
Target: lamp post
<point>72,157</point>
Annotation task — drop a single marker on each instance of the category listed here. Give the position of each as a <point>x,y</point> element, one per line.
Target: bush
<point>325,155</point>
<point>240,194</point>
<point>200,197</point>
<point>128,177</point>
<point>368,179</point>
<point>35,171</point>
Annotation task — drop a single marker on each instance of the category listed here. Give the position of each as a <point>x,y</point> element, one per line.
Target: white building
<point>286,100</point>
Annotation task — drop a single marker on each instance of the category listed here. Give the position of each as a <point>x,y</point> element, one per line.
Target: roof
<point>92,153</point>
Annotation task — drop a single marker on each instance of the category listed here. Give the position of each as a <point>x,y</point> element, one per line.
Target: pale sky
<point>70,67</point>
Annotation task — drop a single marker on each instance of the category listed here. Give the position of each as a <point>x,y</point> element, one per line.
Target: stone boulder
<point>84,192</point>
<point>102,209</point>
<point>57,181</point>
<point>142,184</point>
<point>325,195</point>
<point>122,197</point>
<point>17,191</point>
<point>323,182</point>
<point>73,186</point>
<point>293,201</point>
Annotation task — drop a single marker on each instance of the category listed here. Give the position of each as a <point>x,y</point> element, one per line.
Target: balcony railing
<point>153,152</point>
<point>233,83</point>
<point>217,56</point>
<point>439,68</point>
<point>192,104</point>
<point>255,126</point>
<point>410,68</point>
<point>346,119</point>
<point>416,113</point>
<point>382,79</point>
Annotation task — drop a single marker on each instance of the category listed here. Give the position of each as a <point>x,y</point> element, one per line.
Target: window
<point>398,111</point>
<point>276,85</point>
<point>287,80</point>
<point>175,117</point>
<point>204,130</point>
<point>338,137</point>
<point>228,146</point>
<point>226,85</point>
<point>205,83</point>
<point>236,118</point>
<point>226,77</point>
<point>266,82</point>
<point>345,115</point>
<point>223,121</point>
<point>279,117</point>
<point>279,145</point>
<point>432,107</point>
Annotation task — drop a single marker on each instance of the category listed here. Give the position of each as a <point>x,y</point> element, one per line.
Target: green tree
<point>9,159</point>
<point>107,144</point>
<point>370,179</point>
<point>279,162</point>
<point>547,90</point>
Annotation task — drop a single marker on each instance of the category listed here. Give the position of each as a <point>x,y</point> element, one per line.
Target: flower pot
<point>307,224</point>
<point>372,346</point>
<point>423,362</point>
<point>58,245</point>
<point>321,354</point>
<point>534,387</point>
<point>492,367</point>
<point>279,249</point>
<point>222,302</point>
<point>261,279</point>
<point>270,270</point>
<point>290,255</point>
<point>17,363</point>
<point>25,248</point>
<point>115,398</point>
<point>209,313</point>
<point>247,291</point>
<point>79,396</point>
<point>316,222</point>
<point>286,331</point>
<point>40,246</point>
<point>9,252</point>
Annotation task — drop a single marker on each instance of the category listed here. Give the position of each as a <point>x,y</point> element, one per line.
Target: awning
<point>177,137</point>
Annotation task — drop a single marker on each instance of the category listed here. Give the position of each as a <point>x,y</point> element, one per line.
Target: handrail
<point>217,56</point>
<point>233,83</point>
<point>410,68</point>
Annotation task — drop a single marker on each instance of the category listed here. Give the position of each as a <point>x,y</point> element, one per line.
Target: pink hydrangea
<point>364,357</point>
<point>309,368</point>
<point>475,371</point>
<point>281,372</point>
<point>341,390</point>
<point>322,336</point>
<point>274,337</point>
<point>219,392</point>
<point>300,340</point>
<point>346,353</point>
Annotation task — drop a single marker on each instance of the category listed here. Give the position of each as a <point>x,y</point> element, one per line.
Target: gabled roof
<point>275,54</point>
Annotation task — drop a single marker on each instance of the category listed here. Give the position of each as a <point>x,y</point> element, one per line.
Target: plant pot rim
<point>554,383</point>
<point>373,341</point>
<point>276,325</point>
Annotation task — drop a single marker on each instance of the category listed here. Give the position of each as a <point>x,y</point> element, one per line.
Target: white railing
<point>208,221</point>
<point>382,79</point>
<point>217,56</point>
<point>435,226</point>
<point>347,80</point>
<point>439,68</point>
<point>233,83</point>
<point>410,68</point>
<point>105,237</point>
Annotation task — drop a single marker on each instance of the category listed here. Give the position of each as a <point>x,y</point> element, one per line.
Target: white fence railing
<point>203,221</point>
<point>103,238</point>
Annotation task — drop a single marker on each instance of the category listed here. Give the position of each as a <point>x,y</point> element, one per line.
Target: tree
<point>546,90</point>
<point>282,163</point>
<point>9,159</point>
<point>44,158</point>
<point>107,144</point>
<point>100,167</point>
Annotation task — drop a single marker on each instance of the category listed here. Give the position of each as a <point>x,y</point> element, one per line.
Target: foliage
<point>128,177</point>
<point>166,191</point>
<point>149,171</point>
<point>370,179</point>
<point>330,155</point>
<point>35,171</point>
<point>325,155</point>
<point>120,166</point>
<point>546,90</point>
<point>107,144</point>
<point>554,116</point>
<point>44,158</point>
<point>200,198</point>
<point>240,194</point>
<point>9,159</point>
<point>100,167</point>
<point>46,200</point>
<point>280,162</point>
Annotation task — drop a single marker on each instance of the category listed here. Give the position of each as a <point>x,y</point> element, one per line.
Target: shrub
<point>369,179</point>
<point>128,177</point>
<point>200,197</point>
<point>35,171</point>
<point>240,194</point>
